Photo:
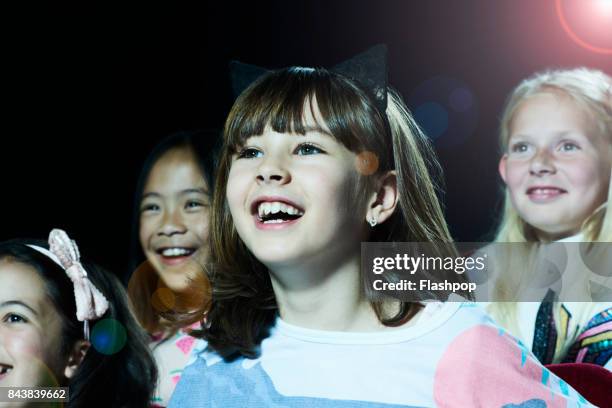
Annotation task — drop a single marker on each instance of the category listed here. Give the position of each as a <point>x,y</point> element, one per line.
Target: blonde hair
<point>590,90</point>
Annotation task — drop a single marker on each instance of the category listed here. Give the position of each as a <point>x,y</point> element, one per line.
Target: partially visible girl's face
<point>30,330</point>
<point>174,217</point>
<point>293,198</point>
<point>557,165</point>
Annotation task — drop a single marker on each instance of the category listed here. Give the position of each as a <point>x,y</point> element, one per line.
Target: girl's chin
<point>177,284</point>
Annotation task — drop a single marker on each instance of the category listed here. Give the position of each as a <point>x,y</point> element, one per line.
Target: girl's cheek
<point>25,343</point>
<point>238,184</point>
<point>515,173</point>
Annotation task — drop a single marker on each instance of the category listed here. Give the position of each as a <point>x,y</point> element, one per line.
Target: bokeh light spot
<point>446,109</point>
<point>433,118</point>
<point>461,100</point>
<point>163,299</point>
<point>108,336</point>
<point>366,163</point>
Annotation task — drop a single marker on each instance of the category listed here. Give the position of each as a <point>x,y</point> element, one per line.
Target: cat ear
<point>242,75</point>
<point>369,69</point>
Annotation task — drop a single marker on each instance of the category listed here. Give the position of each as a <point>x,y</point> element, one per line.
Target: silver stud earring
<point>372,221</point>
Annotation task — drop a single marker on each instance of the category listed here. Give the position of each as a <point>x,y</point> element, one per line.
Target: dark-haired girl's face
<point>174,217</point>
<point>293,198</point>
<point>30,330</point>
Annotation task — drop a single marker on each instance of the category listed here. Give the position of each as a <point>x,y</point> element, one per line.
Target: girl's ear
<point>383,202</point>
<point>76,356</point>
<point>502,166</point>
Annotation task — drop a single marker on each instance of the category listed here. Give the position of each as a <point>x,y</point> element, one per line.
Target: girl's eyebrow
<point>151,194</point>
<point>560,133</point>
<point>316,129</point>
<point>182,192</point>
<point>193,190</point>
<point>519,135</point>
<point>18,303</point>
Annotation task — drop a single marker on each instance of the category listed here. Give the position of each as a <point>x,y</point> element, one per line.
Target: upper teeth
<point>175,251</point>
<point>544,190</point>
<point>266,208</point>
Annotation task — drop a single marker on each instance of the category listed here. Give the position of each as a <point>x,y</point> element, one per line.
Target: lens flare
<point>604,6</point>
<point>433,117</point>
<point>108,336</point>
<point>446,109</point>
<point>366,163</point>
<point>588,23</point>
<point>163,299</point>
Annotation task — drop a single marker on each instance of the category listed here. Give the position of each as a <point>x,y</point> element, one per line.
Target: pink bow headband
<point>90,302</point>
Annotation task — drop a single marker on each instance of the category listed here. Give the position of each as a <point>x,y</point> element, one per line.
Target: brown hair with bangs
<point>244,306</point>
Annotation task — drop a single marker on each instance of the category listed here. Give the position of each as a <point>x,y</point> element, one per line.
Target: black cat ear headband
<point>368,68</point>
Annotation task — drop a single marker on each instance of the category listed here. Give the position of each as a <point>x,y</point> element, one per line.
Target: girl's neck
<point>579,237</point>
<point>570,236</point>
<point>325,299</point>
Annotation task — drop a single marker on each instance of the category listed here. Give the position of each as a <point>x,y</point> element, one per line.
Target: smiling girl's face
<point>30,329</point>
<point>557,165</point>
<point>174,217</point>
<point>293,198</point>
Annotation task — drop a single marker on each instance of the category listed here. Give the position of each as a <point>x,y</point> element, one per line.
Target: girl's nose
<point>272,170</point>
<point>172,224</point>
<point>542,163</point>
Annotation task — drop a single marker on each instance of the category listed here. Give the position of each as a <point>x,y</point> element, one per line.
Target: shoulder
<point>484,365</point>
<point>171,356</point>
<point>192,389</point>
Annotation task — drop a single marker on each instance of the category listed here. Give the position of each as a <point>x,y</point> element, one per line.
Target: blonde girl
<point>556,138</point>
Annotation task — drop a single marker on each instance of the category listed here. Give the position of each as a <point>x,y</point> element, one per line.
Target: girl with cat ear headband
<point>314,163</point>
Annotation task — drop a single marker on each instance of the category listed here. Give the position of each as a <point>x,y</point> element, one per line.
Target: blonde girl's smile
<point>543,194</point>
<point>557,165</point>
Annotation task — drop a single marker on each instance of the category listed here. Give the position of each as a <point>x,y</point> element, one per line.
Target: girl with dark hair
<point>171,231</point>
<point>314,163</point>
<point>67,323</point>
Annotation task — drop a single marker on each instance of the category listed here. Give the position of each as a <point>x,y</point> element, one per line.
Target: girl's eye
<point>569,147</point>
<point>193,205</point>
<point>519,147</point>
<point>249,153</point>
<point>306,149</point>
<point>149,207</point>
<point>14,318</point>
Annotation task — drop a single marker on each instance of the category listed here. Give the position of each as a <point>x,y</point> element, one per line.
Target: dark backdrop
<point>88,91</point>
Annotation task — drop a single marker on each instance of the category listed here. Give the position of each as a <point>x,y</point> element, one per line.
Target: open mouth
<point>545,193</point>
<point>277,212</point>
<point>4,370</point>
<point>174,255</point>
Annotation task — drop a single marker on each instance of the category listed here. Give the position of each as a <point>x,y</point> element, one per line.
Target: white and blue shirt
<point>454,356</point>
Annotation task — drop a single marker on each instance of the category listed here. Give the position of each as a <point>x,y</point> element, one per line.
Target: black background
<point>88,91</point>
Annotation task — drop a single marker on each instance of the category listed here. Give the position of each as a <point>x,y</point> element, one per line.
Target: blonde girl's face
<point>557,165</point>
<point>293,198</point>
<point>30,330</point>
<point>174,217</point>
